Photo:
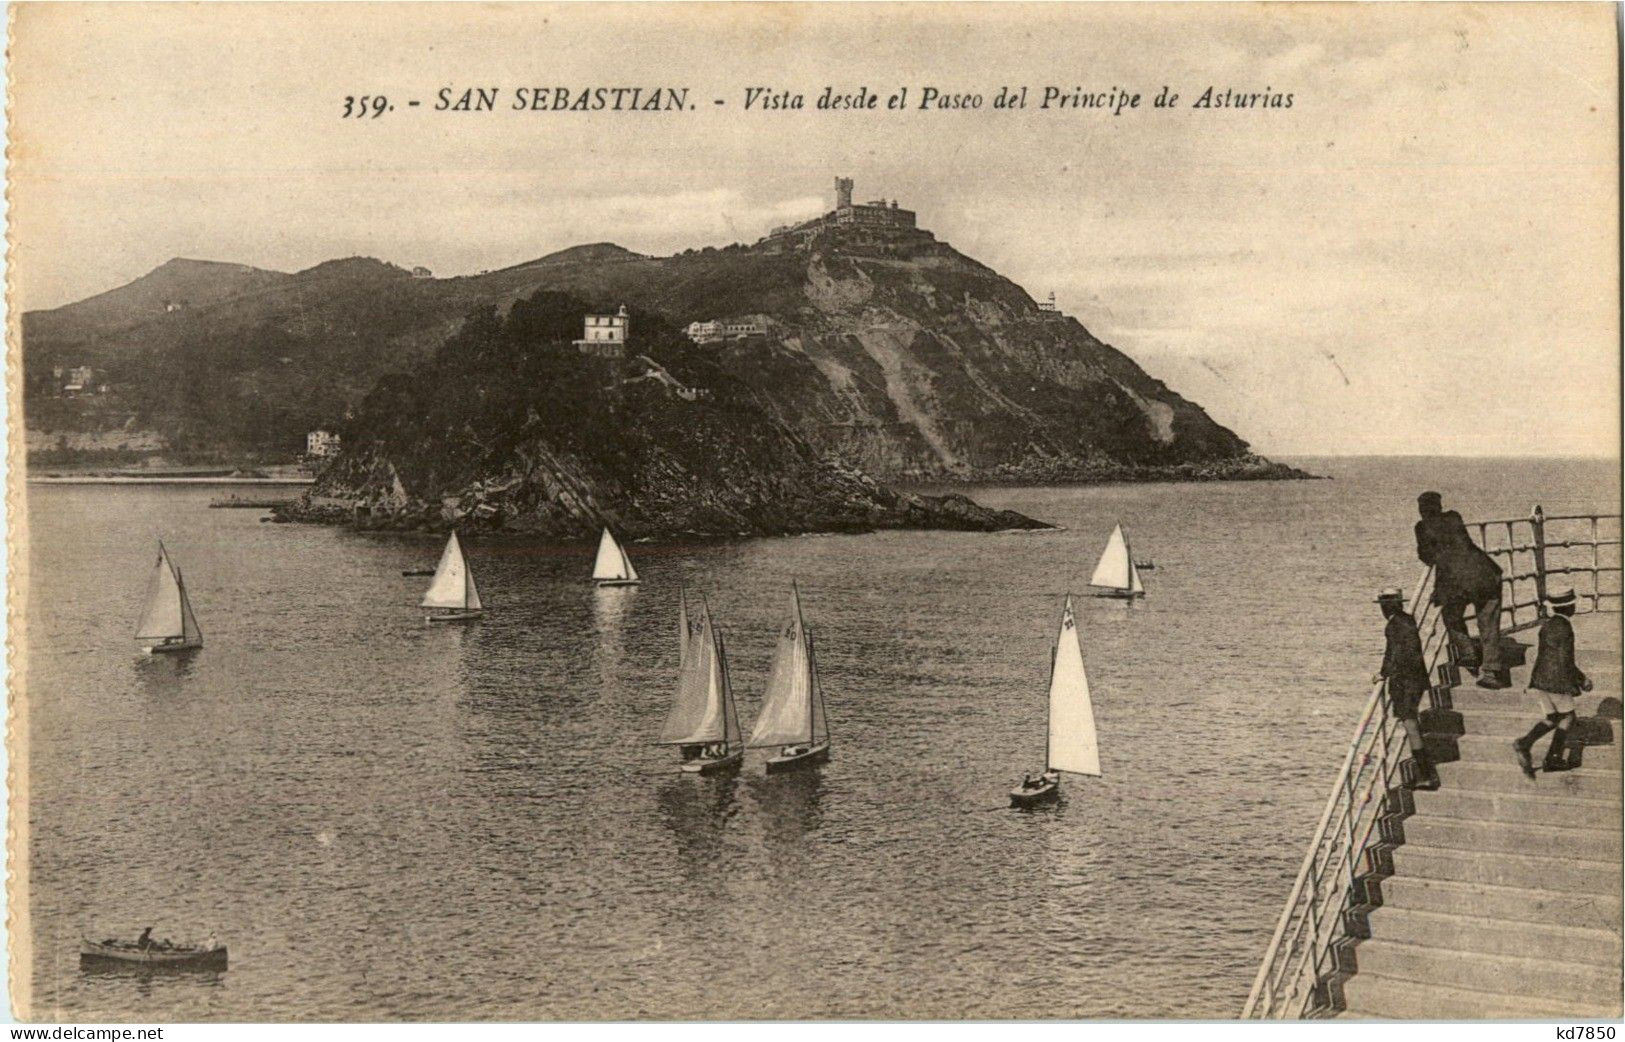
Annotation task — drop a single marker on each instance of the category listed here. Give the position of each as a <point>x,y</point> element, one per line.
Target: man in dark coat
<point>1463,574</point>
<point>1555,682</point>
<point>1407,677</point>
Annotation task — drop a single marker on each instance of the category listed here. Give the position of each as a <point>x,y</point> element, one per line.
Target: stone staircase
<point>1498,896</point>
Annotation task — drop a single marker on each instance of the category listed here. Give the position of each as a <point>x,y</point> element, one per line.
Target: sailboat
<point>613,567</point>
<point>452,595</point>
<point>1073,746</point>
<point>792,715</point>
<point>703,722</point>
<point>1117,575</point>
<point>167,624</point>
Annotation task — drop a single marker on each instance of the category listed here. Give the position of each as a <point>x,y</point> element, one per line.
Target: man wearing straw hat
<point>1555,682</point>
<point>1407,677</point>
<point>1463,574</point>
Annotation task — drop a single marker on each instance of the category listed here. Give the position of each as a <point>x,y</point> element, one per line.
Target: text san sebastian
<point>564,99</point>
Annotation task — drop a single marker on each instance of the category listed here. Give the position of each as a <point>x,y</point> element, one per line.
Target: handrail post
<point>1537,522</point>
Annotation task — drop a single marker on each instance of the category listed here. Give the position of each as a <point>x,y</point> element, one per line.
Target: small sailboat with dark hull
<point>167,624</point>
<point>1072,743</point>
<point>452,595</point>
<point>1117,574</point>
<point>792,717</point>
<point>704,722</point>
<point>612,567</point>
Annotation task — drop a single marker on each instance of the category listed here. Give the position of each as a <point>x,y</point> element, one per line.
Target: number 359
<point>365,106</point>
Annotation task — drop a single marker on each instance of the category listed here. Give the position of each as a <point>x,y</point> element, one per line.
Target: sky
<point>1419,256</point>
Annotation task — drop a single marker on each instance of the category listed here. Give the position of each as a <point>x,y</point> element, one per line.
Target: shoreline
<point>93,479</point>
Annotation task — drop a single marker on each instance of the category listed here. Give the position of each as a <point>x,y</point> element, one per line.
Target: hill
<point>509,428</point>
<point>884,348</point>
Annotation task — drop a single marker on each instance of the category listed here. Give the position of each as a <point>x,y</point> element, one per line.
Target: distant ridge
<point>591,253</point>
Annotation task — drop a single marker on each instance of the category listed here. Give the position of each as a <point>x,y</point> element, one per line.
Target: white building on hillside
<point>321,444</point>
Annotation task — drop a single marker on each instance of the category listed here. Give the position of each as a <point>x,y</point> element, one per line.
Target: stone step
<point>1373,995</point>
<point>1473,933</point>
<point>1529,807</point>
<point>1572,875</point>
<point>1588,729</point>
<point>1469,697</point>
<point>1591,844</point>
<point>1520,904</point>
<point>1485,748</point>
<point>1587,782</point>
<point>1510,975</point>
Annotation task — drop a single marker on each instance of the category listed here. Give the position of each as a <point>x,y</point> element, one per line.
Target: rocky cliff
<point>508,427</point>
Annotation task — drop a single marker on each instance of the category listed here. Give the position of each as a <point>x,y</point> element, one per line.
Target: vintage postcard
<point>689,511</point>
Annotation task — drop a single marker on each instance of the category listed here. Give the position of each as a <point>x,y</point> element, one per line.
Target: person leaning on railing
<point>1407,675</point>
<point>1555,682</point>
<point>1463,574</point>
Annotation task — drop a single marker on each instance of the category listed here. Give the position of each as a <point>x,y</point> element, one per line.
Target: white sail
<point>703,711</point>
<point>612,564</point>
<point>792,713</point>
<point>1116,569</point>
<point>453,584</point>
<point>164,616</point>
<point>1072,741</point>
<point>471,592</point>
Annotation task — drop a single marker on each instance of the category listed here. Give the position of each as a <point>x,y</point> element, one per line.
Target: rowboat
<point>154,956</point>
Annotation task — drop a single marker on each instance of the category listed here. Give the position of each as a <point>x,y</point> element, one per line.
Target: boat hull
<point>618,582</point>
<point>454,616</point>
<point>1021,796</point>
<point>705,765</point>
<point>815,755</point>
<point>172,649</point>
<point>417,571</point>
<point>93,954</point>
<point>1120,595</point>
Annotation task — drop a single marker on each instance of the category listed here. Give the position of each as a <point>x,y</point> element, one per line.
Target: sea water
<point>384,819</point>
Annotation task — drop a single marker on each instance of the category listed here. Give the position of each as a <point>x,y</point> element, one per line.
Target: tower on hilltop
<point>843,193</point>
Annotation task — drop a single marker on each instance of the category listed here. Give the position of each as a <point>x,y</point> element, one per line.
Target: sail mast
<point>819,709</point>
<point>731,735</point>
<point>191,632</point>
<point>682,624</point>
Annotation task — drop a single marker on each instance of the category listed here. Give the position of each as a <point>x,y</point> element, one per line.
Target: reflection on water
<point>696,811</point>
<point>386,819</point>
<point>788,804</point>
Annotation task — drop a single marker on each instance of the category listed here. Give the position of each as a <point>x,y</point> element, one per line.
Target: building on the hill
<point>875,215</point>
<point>79,379</point>
<point>1048,306</point>
<point>718,329</point>
<point>420,272</point>
<point>606,336</point>
<point>321,444</point>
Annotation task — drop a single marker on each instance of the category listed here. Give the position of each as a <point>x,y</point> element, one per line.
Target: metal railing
<point>1300,966</point>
